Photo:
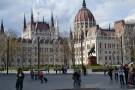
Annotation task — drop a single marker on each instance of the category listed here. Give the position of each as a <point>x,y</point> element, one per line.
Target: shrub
<point>98,70</point>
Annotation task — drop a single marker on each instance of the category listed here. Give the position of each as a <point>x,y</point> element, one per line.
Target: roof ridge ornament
<point>84,4</point>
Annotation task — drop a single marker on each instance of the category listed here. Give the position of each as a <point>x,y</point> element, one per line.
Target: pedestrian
<point>84,70</point>
<point>110,73</point>
<point>126,72</point>
<point>48,69</point>
<point>77,79</point>
<point>130,78</point>
<point>121,76</point>
<point>56,69</point>
<point>63,70</point>
<point>32,74</point>
<point>116,73</point>
<point>41,76</point>
<point>105,70</point>
<point>36,74</point>
<point>20,78</point>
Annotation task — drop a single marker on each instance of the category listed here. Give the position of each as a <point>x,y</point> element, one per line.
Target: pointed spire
<point>32,19</point>
<point>52,20</point>
<point>43,19</point>
<point>71,35</point>
<point>2,27</point>
<point>109,27</point>
<point>24,23</point>
<point>84,4</point>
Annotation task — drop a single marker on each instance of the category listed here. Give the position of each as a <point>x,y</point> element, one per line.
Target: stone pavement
<point>63,82</point>
<point>51,71</point>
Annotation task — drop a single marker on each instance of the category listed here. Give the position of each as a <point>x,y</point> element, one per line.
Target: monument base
<point>92,60</point>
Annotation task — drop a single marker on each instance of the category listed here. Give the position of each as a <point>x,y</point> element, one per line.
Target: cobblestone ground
<point>61,82</point>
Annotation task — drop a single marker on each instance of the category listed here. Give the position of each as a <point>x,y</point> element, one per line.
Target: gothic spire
<point>84,4</point>
<point>52,20</point>
<point>43,19</point>
<point>71,35</point>
<point>109,27</point>
<point>2,27</point>
<point>32,19</point>
<point>24,23</point>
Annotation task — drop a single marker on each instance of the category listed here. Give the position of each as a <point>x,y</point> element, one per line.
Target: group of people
<point>61,69</point>
<point>35,75</point>
<point>38,75</point>
<point>77,78</point>
<point>125,74</point>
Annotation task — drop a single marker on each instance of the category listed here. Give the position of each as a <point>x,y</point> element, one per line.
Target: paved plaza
<point>65,82</point>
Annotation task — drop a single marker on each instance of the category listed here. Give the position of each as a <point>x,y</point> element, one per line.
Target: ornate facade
<point>106,41</point>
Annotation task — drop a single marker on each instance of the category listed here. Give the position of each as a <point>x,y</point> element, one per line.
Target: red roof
<point>41,25</point>
<point>84,14</point>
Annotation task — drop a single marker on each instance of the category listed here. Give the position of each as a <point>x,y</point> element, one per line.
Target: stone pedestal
<point>92,60</point>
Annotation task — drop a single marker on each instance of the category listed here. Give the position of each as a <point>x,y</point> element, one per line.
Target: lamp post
<point>121,49</point>
<point>82,36</point>
<point>38,54</point>
<point>7,54</point>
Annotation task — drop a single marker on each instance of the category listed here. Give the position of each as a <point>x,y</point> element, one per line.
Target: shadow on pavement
<point>82,89</point>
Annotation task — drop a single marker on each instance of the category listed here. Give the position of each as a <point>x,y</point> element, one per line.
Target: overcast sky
<point>104,11</point>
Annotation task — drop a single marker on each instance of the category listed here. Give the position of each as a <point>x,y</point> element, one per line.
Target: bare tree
<point>9,44</point>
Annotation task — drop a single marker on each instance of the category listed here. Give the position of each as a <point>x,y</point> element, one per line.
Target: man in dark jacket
<point>77,79</point>
<point>110,73</point>
<point>20,78</point>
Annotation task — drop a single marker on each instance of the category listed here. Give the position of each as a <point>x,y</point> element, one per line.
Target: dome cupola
<point>85,15</point>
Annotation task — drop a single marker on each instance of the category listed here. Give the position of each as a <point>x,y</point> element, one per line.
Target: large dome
<point>84,14</point>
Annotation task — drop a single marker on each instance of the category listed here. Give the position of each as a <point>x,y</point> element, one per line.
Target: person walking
<point>116,73</point>
<point>126,72</point>
<point>84,70</point>
<point>110,73</point>
<point>130,78</point>
<point>41,76</point>
<point>32,74</point>
<point>56,69</point>
<point>48,69</point>
<point>36,74</point>
<point>121,75</point>
<point>20,78</point>
<point>77,79</point>
<point>105,70</point>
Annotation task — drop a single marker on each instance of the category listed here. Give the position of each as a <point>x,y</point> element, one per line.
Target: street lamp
<point>82,37</point>
<point>7,54</point>
<point>121,49</point>
<point>38,53</point>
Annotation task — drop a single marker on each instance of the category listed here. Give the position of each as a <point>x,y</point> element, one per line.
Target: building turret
<point>52,20</point>
<point>24,24</point>
<point>32,19</point>
<point>84,4</point>
<point>2,28</point>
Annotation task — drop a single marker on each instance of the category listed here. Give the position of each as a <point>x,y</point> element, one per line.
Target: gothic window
<point>114,46</point>
<point>100,45</point>
<point>110,46</point>
<point>113,57</point>
<point>109,57</point>
<point>105,52</point>
<point>117,57</point>
<point>105,57</point>
<point>109,52</point>
<point>105,45</point>
<point>117,46</point>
